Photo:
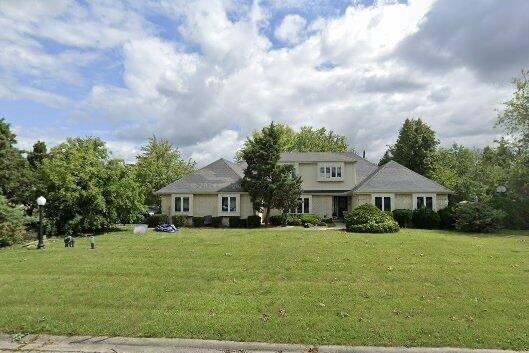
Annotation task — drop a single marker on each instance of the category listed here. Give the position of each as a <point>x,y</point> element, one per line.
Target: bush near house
<point>216,222</point>
<point>198,221</point>
<point>369,219</point>
<point>293,220</point>
<point>179,220</point>
<point>276,220</point>
<point>425,218</point>
<point>234,222</point>
<point>446,217</point>
<point>403,217</point>
<point>477,217</point>
<point>253,221</point>
<point>156,219</point>
<point>310,218</point>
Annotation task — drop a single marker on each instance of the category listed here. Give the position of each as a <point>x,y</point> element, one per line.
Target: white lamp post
<point>41,201</point>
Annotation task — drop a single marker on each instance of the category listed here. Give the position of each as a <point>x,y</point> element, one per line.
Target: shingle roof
<point>317,157</point>
<point>219,176</point>
<point>394,177</point>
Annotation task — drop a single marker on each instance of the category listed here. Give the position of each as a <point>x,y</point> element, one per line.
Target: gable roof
<point>394,177</point>
<point>219,176</point>
<point>317,157</point>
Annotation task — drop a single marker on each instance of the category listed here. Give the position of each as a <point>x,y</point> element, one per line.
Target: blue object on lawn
<point>167,228</point>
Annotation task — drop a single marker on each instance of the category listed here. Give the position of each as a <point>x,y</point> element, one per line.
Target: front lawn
<point>412,288</point>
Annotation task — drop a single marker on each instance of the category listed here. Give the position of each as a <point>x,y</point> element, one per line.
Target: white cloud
<point>291,30</point>
<point>207,92</point>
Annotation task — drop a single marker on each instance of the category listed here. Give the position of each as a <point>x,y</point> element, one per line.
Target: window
<point>229,204</point>
<point>383,202</point>
<point>424,201</point>
<point>330,171</point>
<point>181,204</point>
<point>303,205</point>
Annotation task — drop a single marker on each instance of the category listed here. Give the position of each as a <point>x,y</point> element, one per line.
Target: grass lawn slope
<point>413,288</point>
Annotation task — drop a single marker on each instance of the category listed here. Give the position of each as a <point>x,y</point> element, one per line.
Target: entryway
<point>339,206</point>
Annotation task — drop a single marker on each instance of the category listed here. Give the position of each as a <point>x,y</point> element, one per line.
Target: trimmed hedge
<point>253,221</point>
<point>369,219</point>
<point>156,219</point>
<point>198,221</point>
<point>310,218</point>
<point>425,218</point>
<point>276,220</point>
<point>216,222</point>
<point>446,217</point>
<point>179,220</point>
<point>294,220</point>
<point>234,222</point>
<point>477,217</point>
<point>403,217</point>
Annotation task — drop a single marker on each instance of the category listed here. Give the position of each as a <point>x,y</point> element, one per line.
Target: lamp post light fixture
<point>41,201</point>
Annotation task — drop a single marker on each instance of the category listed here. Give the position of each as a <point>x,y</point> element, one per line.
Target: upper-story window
<point>330,171</point>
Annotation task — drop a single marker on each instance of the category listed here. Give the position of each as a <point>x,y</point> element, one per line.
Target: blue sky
<point>206,73</point>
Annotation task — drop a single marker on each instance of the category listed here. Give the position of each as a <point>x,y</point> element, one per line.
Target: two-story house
<point>333,183</point>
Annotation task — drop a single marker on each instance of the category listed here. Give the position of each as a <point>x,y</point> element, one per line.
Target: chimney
<point>364,154</point>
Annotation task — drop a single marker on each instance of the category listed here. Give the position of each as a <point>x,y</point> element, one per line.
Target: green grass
<point>413,288</point>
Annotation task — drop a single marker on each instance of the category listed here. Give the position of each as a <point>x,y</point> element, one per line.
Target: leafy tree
<point>37,155</point>
<point>158,165</point>
<point>16,178</point>
<point>307,139</point>
<point>270,184</point>
<point>87,191</point>
<point>515,116</point>
<point>415,147</point>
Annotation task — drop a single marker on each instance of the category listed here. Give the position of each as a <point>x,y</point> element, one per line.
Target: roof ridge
<point>231,165</point>
<point>370,176</point>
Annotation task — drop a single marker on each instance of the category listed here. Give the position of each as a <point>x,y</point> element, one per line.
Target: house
<point>333,183</point>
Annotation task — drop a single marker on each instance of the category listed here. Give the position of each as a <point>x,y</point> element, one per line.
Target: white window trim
<point>330,164</point>
<point>237,205</point>
<point>173,209</point>
<point>433,196</point>
<point>391,196</point>
<point>310,204</point>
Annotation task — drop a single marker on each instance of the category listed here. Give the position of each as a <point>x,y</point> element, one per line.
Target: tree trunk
<point>267,216</point>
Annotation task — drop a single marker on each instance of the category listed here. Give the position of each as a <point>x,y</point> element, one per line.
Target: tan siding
<point>403,201</point>
<point>246,206</point>
<point>204,205</point>
<point>442,201</point>
<point>309,174</point>
<point>166,204</point>
<point>360,199</point>
<point>322,205</point>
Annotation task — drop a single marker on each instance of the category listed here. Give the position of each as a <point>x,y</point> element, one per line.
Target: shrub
<point>369,219</point>
<point>328,220</point>
<point>216,222</point>
<point>243,223</point>
<point>477,217</point>
<point>310,218</point>
<point>294,220</point>
<point>152,221</point>
<point>403,217</point>
<point>12,229</point>
<point>253,221</point>
<point>425,218</point>
<point>179,220</point>
<point>446,217</point>
<point>322,224</point>
<point>276,220</point>
<point>234,222</point>
<point>198,221</point>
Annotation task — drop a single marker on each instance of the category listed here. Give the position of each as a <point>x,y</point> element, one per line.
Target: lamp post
<point>41,201</point>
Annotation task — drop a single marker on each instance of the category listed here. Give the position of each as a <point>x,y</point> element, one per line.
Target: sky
<point>206,73</point>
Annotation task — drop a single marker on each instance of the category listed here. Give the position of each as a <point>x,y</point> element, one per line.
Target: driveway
<point>90,344</point>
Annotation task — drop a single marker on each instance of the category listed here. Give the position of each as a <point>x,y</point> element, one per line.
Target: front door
<point>339,206</point>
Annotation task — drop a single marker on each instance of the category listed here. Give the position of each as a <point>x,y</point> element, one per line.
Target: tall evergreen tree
<point>415,147</point>
<point>37,155</point>
<point>270,184</point>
